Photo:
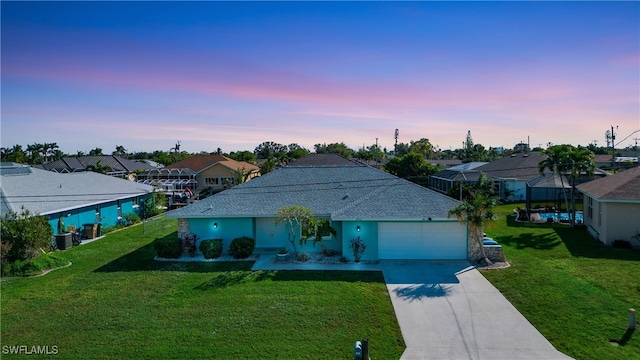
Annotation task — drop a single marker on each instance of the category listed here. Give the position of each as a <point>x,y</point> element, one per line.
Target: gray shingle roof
<point>44,192</point>
<point>81,163</point>
<point>343,192</point>
<point>516,166</point>
<point>623,186</point>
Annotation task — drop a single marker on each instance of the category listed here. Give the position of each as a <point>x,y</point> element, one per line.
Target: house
<point>449,179</point>
<point>83,198</point>
<point>395,218</point>
<point>511,174</point>
<point>612,207</point>
<point>110,164</point>
<point>201,172</point>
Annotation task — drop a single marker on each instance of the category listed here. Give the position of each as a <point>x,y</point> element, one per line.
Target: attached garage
<point>422,240</point>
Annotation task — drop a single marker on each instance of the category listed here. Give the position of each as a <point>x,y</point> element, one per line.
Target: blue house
<point>78,199</point>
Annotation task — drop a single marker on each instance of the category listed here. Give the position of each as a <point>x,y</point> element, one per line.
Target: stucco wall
<point>621,221</point>
<point>368,235</point>
<point>226,229</point>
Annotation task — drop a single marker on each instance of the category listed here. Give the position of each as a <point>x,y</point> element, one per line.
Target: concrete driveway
<point>448,310</point>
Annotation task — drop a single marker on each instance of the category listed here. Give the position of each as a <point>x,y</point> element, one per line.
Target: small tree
<point>477,211</point>
<point>24,235</point>
<point>295,217</point>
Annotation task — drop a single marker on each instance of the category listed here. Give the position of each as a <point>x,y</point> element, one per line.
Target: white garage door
<point>422,240</point>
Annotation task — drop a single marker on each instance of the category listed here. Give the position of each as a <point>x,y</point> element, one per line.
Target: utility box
<point>64,241</point>
<point>91,231</point>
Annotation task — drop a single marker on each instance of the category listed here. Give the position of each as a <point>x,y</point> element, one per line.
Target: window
<point>211,181</point>
<point>590,207</point>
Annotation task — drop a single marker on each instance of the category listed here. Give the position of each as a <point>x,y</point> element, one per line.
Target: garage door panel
<point>446,240</point>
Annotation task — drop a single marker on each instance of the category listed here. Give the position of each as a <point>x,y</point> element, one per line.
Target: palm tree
<point>556,161</point>
<point>582,162</point>
<point>563,159</point>
<point>477,211</point>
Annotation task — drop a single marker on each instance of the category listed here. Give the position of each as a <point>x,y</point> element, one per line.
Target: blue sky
<point>231,75</point>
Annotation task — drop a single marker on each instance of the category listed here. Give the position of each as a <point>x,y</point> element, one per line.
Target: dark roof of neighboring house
<point>624,185</point>
<point>453,175</point>
<point>603,158</point>
<point>550,180</point>
<point>199,163</point>
<point>521,166</point>
<point>444,163</point>
<point>45,192</point>
<point>323,160</point>
<point>114,164</point>
<point>343,192</point>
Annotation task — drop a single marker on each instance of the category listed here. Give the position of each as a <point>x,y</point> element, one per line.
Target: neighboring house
<point>511,174</point>
<point>395,218</point>
<point>612,207</point>
<point>450,178</point>
<point>203,172</point>
<point>110,164</point>
<point>79,198</point>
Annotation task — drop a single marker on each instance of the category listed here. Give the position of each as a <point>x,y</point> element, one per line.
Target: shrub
<point>189,243</point>
<point>168,247</point>
<point>303,256</point>
<point>24,235</point>
<point>242,247</point>
<point>132,218</point>
<point>358,248</point>
<point>34,266</point>
<point>211,248</point>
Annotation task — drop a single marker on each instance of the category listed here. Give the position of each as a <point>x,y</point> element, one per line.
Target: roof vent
<point>339,185</point>
<point>345,196</point>
<point>513,155</point>
<point>525,155</point>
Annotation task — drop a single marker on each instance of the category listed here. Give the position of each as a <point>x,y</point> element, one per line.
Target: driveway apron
<point>448,310</point>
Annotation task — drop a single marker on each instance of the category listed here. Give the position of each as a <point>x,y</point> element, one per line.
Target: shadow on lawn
<point>538,242</point>
<point>580,244</point>
<point>230,278</point>
<point>577,240</point>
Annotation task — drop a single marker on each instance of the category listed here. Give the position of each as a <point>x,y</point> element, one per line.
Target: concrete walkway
<point>448,310</point>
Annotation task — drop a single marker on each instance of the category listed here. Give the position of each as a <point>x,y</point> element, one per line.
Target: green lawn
<point>574,290</point>
<point>115,301</point>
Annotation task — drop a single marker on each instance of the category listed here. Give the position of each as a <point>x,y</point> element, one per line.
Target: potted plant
<point>282,254</point>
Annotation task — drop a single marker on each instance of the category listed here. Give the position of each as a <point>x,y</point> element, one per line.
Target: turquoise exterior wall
<point>87,215</point>
<point>368,234</point>
<point>227,229</point>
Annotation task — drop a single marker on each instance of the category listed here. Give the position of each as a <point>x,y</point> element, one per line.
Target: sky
<point>232,75</point>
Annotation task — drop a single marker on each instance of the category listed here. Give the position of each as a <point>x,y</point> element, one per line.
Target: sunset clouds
<point>233,75</point>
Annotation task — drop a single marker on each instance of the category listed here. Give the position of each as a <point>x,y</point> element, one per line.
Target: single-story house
<point>110,164</point>
<point>612,207</point>
<point>447,180</point>
<point>79,199</point>
<point>202,172</point>
<point>395,218</point>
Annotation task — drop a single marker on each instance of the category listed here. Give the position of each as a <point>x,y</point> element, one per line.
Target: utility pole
<point>613,147</point>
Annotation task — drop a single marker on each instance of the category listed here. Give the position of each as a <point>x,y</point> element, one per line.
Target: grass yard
<point>574,290</point>
<point>115,301</point>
